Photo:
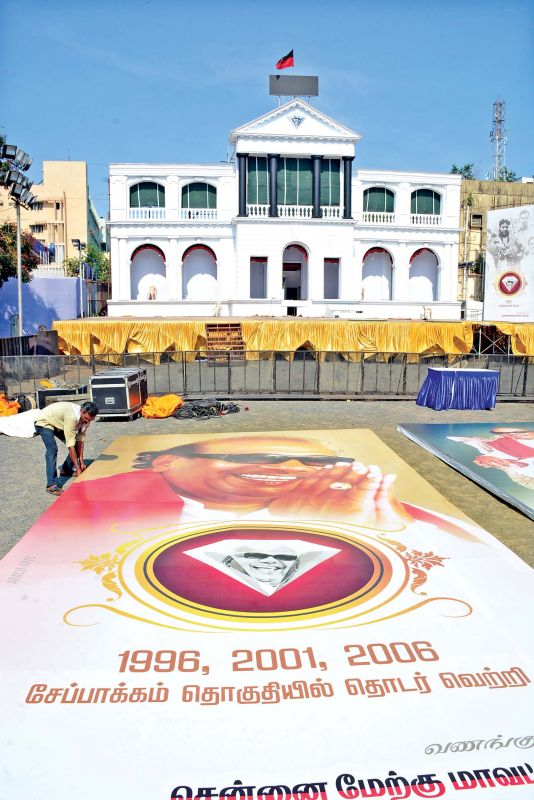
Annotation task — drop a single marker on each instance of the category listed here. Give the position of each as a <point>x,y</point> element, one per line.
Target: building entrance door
<point>292,283</point>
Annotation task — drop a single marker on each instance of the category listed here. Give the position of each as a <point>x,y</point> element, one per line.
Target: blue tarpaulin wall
<point>43,301</point>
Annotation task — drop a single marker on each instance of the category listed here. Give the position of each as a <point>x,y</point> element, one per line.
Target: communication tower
<point>498,137</point>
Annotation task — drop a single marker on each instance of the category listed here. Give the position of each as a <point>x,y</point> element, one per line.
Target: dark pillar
<point>347,186</point>
<point>273,191</point>
<point>242,171</point>
<point>316,186</point>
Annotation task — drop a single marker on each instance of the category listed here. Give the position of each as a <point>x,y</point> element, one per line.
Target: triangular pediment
<point>295,118</point>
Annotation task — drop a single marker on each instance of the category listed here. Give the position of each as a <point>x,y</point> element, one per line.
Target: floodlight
<point>27,165</point>
<point>16,190</point>
<point>9,151</point>
<point>21,156</point>
<point>12,176</point>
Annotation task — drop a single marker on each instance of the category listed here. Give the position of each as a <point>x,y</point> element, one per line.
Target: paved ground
<point>24,499</point>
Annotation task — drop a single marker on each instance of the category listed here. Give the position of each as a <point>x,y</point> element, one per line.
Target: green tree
<point>93,257</point>
<point>467,171</point>
<point>99,261</point>
<point>8,253</point>
<point>507,175</point>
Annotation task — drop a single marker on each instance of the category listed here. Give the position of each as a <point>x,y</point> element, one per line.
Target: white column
<point>125,291</point>
<point>174,283</point>
<point>315,277</point>
<point>115,268</point>
<point>351,274</point>
<point>274,277</point>
<point>171,198</point>
<point>401,278</point>
<point>439,281</point>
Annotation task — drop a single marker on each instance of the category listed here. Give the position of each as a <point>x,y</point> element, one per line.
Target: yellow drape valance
<point>112,337</point>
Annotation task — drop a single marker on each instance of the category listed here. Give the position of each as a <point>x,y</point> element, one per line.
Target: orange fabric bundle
<point>161,407</point>
<point>8,407</point>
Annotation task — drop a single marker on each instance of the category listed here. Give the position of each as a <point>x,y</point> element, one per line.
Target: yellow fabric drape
<point>113,337</point>
<point>380,336</point>
<point>521,336</point>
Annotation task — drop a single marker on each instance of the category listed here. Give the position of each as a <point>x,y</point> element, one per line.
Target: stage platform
<point>102,336</point>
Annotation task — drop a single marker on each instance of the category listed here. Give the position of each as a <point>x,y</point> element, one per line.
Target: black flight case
<point>119,392</point>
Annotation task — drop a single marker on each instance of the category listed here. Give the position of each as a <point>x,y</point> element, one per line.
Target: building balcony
<point>426,220</point>
<point>198,214</point>
<point>294,212</point>
<point>378,217</point>
<point>146,213</point>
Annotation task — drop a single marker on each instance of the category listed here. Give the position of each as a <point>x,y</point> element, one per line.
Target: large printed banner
<point>498,457</point>
<point>509,281</point>
<point>279,616</point>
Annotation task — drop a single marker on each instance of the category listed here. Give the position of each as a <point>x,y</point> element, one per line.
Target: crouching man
<point>67,422</point>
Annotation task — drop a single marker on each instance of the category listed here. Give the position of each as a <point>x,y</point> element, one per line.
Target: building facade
<point>287,228</point>
<point>63,211</point>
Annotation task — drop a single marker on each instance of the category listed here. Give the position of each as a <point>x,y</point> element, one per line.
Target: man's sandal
<point>54,490</point>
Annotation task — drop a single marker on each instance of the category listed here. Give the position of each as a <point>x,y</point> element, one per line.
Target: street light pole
<point>16,162</point>
<point>79,247</point>
<point>80,279</point>
<point>19,271</point>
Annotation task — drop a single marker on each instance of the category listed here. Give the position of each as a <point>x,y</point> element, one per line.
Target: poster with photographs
<point>509,283</point>
<point>263,616</point>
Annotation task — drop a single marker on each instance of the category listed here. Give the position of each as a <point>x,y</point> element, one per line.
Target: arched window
<point>376,275</point>
<point>148,279</point>
<point>199,195</point>
<point>199,273</point>
<point>147,195</point>
<point>425,201</point>
<point>423,281</point>
<point>377,198</point>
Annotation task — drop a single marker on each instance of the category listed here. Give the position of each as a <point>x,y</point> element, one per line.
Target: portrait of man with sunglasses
<point>288,477</point>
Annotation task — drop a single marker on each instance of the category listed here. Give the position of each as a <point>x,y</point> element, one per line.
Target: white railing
<point>425,219</point>
<point>295,212</point>
<point>198,213</point>
<point>331,212</point>
<point>146,213</point>
<point>50,271</point>
<point>258,210</point>
<point>378,217</point>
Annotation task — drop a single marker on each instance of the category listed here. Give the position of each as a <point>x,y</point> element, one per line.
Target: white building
<point>285,229</point>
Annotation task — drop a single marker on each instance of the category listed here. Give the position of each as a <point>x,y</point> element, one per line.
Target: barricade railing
<point>275,374</point>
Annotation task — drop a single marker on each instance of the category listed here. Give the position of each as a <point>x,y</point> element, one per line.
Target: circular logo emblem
<point>510,283</point>
<point>258,572</point>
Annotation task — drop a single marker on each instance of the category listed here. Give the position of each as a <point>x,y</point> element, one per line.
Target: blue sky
<point>166,80</point>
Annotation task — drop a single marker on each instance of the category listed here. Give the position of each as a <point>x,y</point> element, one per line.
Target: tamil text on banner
<point>291,616</point>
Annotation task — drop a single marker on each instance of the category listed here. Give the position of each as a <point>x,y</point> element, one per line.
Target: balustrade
<point>198,213</point>
<point>295,212</point>
<point>146,213</point>
<point>378,217</point>
<point>331,212</point>
<point>258,210</point>
<point>425,219</point>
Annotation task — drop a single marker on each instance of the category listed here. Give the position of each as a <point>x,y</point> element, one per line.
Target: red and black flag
<point>286,61</point>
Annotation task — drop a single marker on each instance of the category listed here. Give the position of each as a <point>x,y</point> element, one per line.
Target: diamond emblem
<point>296,120</point>
<point>265,565</point>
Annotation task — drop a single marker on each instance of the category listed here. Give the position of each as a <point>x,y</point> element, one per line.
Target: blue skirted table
<point>459,388</point>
